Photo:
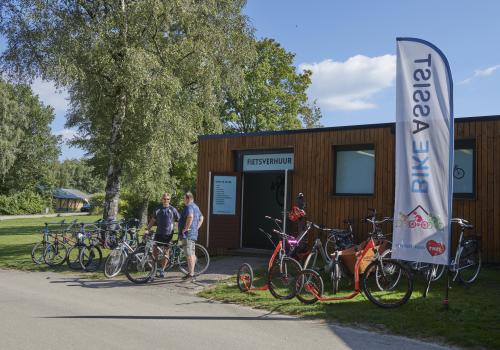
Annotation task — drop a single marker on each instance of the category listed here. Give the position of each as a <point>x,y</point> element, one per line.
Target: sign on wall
<point>224,195</point>
<point>268,162</point>
<point>424,153</point>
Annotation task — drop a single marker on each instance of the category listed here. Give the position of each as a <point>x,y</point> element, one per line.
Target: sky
<point>350,47</point>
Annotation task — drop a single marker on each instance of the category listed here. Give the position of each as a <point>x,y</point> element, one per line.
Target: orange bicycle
<point>281,268</point>
<point>385,282</point>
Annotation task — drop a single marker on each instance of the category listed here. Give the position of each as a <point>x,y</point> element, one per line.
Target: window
<point>463,169</point>
<point>354,170</point>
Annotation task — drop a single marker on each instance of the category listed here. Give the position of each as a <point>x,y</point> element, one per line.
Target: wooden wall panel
<point>313,174</point>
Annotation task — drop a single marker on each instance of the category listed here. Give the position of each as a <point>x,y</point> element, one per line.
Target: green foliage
<point>311,116</point>
<point>97,204</point>
<point>78,174</point>
<point>29,150</point>
<point>144,77</point>
<point>25,202</point>
<point>273,95</point>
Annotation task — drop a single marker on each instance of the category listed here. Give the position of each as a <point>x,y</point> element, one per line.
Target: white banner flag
<point>424,153</point>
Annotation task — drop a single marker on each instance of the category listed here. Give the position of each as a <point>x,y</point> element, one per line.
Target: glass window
<point>354,170</point>
<point>463,169</point>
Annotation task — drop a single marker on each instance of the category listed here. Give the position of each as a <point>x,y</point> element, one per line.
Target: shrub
<point>25,202</point>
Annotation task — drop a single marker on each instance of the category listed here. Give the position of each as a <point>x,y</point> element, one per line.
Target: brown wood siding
<point>313,175</point>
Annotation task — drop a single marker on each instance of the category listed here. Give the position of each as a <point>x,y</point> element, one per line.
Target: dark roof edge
<point>333,128</point>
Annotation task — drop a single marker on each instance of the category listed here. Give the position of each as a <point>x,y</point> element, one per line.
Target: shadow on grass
<point>21,230</point>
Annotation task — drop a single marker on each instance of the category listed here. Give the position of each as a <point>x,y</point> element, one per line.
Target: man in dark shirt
<point>164,218</point>
<point>189,223</point>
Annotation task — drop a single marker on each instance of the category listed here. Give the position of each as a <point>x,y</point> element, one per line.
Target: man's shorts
<point>162,240</point>
<point>189,247</point>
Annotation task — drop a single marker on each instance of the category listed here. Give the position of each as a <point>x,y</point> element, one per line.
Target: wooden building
<point>69,199</point>
<point>342,172</point>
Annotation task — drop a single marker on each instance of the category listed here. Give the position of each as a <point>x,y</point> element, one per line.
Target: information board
<point>224,195</point>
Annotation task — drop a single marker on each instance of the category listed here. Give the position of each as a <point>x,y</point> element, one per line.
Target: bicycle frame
<point>359,257</point>
<point>277,251</point>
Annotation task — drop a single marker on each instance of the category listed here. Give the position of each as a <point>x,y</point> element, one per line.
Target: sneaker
<point>160,274</point>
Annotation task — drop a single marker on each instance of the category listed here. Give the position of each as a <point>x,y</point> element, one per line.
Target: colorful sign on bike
<point>424,153</point>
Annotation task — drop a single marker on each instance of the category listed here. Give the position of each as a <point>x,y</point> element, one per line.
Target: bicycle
<point>39,249</point>
<point>281,267</point>
<point>385,282</point>
<point>338,239</point>
<point>466,264</point>
<point>82,255</point>
<point>141,265</point>
<point>127,245</point>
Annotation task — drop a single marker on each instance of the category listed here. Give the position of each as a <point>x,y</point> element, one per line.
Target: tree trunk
<point>113,179</point>
<point>113,184</point>
<point>143,213</point>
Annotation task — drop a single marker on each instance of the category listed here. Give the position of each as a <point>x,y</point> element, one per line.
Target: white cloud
<point>50,95</point>
<point>67,134</point>
<point>350,85</point>
<point>480,73</point>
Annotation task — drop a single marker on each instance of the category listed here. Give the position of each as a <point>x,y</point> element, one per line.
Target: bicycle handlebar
<point>462,222</point>
<point>273,219</point>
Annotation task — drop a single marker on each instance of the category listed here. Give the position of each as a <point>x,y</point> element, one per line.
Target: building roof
<point>70,193</point>
<point>324,129</point>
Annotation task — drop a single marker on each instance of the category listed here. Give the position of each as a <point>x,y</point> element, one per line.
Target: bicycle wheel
<point>308,286</point>
<point>281,278</point>
<point>428,280</point>
<point>73,258</point>
<point>312,262</point>
<point>335,275</point>
<point>38,251</point>
<point>387,283</point>
<point>114,262</point>
<point>55,254</point>
<point>91,258</point>
<point>469,265</point>
<point>202,260</point>
<point>330,246</point>
<point>244,278</point>
<point>140,266</point>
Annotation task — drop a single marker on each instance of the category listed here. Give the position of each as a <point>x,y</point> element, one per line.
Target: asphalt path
<point>55,311</point>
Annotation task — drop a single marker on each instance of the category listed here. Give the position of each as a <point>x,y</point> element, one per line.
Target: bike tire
<point>394,295</point>
<point>308,286</point>
<point>281,278</point>
<point>244,278</point>
<point>114,263</point>
<point>311,261</point>
<point>202,260</point>
<point>335,275</point>
<point>91,258</point>
<point>73,258</point>
<point>55,254</point>
<point>38,251</point>
<point>140,267</point>
<point>428,280</point>
<point>474,256</point>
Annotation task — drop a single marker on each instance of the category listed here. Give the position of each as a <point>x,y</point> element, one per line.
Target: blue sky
<point>351,46</point>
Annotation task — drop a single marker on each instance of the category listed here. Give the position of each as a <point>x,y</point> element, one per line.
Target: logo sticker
<point>435,248</point>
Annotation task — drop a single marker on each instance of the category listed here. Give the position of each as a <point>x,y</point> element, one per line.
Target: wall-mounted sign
<point>224,195</point>
<point>268,162</point>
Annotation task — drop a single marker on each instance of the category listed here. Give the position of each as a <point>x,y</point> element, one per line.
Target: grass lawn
<point>18,236</point>
<point>472,320</point>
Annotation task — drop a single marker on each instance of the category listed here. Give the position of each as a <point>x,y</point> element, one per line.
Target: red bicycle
<point>281,268</point>
<point>385,282</point>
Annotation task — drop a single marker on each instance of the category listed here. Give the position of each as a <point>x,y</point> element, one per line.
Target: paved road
<point>54,311</point>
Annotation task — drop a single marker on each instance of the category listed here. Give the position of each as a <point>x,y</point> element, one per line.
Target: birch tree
<point>142,75</point>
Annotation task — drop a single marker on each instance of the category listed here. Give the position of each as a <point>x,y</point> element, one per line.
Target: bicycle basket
<point>348,256</point>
